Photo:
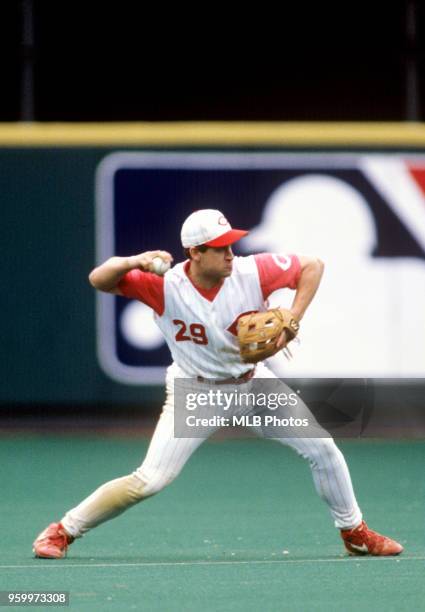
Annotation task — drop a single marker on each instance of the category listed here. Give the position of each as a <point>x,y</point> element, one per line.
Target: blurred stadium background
<point>116,122</point>
<point>173,134</point>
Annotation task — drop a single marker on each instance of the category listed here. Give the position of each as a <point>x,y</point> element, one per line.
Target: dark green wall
<point>48,307</point>
<point>48,334</point>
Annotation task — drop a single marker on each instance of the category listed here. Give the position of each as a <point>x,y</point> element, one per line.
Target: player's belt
<point>229,381</point>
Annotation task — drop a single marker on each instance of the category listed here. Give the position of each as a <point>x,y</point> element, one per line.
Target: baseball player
<point>197,304</point>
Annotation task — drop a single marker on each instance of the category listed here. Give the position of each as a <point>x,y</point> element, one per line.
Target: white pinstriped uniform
<point>167,455</point>
<point>219,359</point>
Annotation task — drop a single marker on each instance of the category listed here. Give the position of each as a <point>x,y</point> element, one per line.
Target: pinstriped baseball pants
<point>167,455</point>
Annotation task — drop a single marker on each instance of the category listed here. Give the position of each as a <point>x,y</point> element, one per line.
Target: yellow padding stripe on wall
<point>222,134</point>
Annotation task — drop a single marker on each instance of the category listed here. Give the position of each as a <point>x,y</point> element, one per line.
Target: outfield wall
<point>49,187</point>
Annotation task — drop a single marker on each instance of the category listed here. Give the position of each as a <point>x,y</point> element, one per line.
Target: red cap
<point>209,227</point>
<point>227,238</point>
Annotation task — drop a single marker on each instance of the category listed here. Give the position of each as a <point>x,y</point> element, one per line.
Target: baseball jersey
<point>200,326</point>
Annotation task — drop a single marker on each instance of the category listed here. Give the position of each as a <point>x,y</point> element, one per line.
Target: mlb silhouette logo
<point>363,214</point>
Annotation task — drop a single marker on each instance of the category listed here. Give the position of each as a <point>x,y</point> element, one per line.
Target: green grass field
<point>240,529</point>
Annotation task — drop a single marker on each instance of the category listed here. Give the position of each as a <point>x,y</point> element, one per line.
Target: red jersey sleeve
<point>277,272</point>
<point>145,287</point>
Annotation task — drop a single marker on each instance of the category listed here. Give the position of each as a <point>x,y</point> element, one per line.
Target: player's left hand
<point>262,334</point>
<point>282,341</point>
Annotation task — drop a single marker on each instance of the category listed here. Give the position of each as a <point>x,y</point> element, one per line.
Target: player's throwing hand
<point>146,261</point>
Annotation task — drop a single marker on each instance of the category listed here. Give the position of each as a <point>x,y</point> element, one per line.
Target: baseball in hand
<point>159,266</point>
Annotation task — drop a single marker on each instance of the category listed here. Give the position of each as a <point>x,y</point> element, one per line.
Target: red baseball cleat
<point>52,543</point>
<point>363,541</point>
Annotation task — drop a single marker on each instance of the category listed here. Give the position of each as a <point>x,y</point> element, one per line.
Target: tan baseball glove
<point>259,332</point>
